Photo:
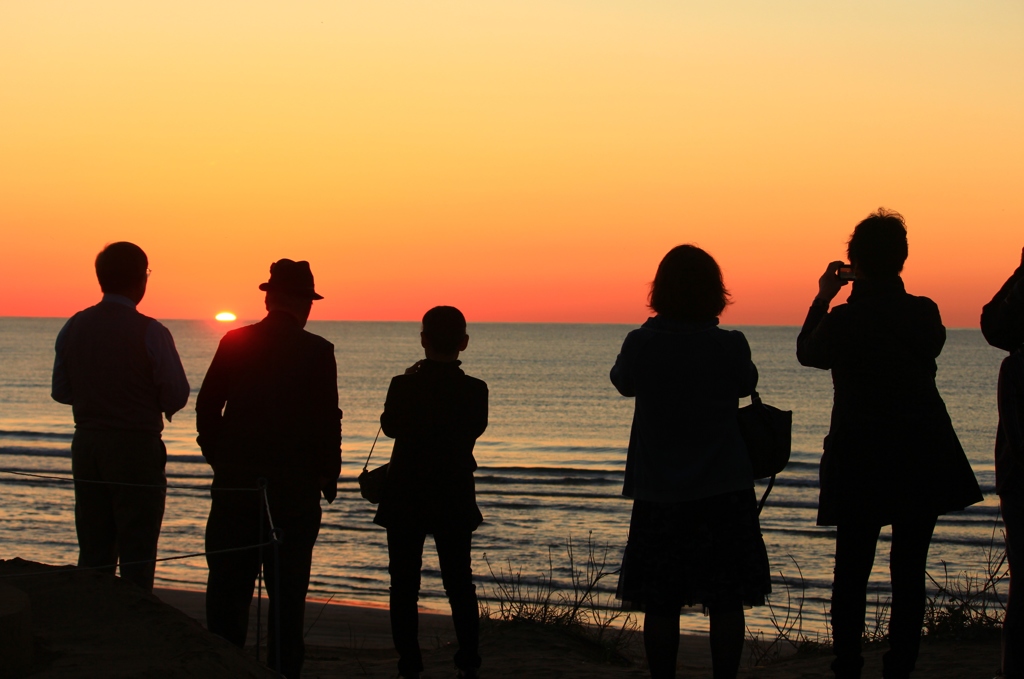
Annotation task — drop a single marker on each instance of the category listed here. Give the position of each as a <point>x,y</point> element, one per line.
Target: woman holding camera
<point>694,536</point>
<point>891,456</point>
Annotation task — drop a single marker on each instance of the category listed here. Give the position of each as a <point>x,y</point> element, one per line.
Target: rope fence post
<point>277,608</point>
<point>275,540</point>
<point>259,573</point>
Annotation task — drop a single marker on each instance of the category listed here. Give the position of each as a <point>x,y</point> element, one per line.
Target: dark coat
<point>891,452</point>
<point>435,416</point>
<point>687,378</point>
<point>1002,323</point>
<point>269,407</point>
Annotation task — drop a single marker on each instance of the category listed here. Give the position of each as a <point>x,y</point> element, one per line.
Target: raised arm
<point>1002,319</point>
<point>813,344</point>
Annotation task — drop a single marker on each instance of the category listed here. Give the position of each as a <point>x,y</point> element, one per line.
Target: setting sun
<point>226,316</point>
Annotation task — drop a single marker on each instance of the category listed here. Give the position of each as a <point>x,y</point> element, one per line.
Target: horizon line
<point>361,320</point>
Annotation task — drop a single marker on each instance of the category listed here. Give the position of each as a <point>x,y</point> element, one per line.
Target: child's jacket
<point>435,416</point>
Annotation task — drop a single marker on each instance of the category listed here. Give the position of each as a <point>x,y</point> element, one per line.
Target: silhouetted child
<point>435,412</point>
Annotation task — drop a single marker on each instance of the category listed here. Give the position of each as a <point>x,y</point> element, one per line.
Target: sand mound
<point>86,624</point>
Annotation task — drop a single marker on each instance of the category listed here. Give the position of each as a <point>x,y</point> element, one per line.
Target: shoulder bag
<point>371,483</point>
<point>768,433</point>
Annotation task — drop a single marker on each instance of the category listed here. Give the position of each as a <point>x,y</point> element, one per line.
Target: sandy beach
<point>87,625</point>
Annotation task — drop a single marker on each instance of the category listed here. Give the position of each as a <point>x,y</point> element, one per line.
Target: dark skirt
<point>707,551</point>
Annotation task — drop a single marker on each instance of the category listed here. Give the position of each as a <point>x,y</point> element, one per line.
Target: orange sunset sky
<point>526,161</point>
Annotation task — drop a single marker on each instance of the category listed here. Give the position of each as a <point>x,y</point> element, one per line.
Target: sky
<point>523,160</point>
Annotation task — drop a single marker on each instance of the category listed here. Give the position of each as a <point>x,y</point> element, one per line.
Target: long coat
<point>891,452</point>
<point>435,416</point>
<point>1002,323</point>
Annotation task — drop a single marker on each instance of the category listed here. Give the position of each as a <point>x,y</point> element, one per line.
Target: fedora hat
<point>292,278</point>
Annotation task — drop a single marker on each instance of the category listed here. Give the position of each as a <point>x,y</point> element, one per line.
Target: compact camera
<point>845,273</point>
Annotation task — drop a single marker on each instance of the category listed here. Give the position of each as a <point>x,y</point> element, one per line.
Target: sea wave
<point>548,471</point>
<point>27,451</point>
<point>786,481</point>
<point>552,495</point>
<point>46,435</point>
<point>548,448</point>
<point>49,451</point>
<point>797,465</point>
<point>560,480</point>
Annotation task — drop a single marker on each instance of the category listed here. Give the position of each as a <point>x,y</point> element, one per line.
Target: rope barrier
<point>75,569</point>
<point>66,479</point>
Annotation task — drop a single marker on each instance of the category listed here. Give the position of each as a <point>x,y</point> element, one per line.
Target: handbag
<point>372,483</point>
<point>768,433</point>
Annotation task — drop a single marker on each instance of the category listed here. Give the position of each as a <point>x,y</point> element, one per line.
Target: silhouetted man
<point>268,410</point>
<point>1002,322</point>
<point>119,370</point>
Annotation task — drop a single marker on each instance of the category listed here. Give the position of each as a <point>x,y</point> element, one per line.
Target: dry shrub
<point>581,606</point>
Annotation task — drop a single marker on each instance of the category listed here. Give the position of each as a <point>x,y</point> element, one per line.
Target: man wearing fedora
<point>267,414</point>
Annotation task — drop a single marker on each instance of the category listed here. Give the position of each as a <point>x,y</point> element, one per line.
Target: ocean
<point>551,461</point>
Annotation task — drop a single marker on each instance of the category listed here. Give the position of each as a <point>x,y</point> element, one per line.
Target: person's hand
<point>830,284</point>
<point>329,487</point>
<point>414,368</point>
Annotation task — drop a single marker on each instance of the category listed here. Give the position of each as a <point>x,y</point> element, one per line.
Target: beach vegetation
<point>580,604</point>
<point>966,605</point>
<point>571,593</point>
<point>786,635</point>
<point>961,606</point>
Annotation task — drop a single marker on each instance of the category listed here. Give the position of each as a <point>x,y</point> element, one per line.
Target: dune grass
<point>962,605</point>
<point>578,603</point>
<point>574,595</point>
